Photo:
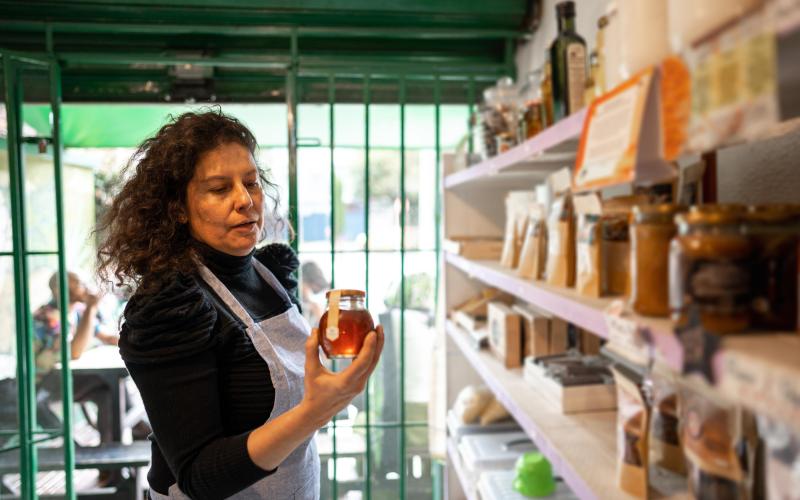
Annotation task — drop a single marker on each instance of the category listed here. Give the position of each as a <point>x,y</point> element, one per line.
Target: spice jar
<point>653,229</point>
<point>345,323</point>
<point>710,269</point>
<point>776,234</point>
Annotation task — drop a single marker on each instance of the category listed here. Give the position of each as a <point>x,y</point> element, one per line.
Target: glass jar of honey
<point>776,234</point>
<point>710,269</point>
<point>345,323</point>
<point>653,229</point>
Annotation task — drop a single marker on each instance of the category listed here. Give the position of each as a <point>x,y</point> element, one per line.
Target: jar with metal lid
<point>710,269</point>
<point>653,229</point>
<point>345,323</point>
<point>776,234</point>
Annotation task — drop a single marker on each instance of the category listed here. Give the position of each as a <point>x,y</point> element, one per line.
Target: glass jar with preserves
<point>651,234</point>
<point>532,121</point>
<point>776,234</point>
<point>710,269</point>
<point>345,323</point>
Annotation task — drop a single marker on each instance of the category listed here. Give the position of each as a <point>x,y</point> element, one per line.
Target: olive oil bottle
<point>568,64</point>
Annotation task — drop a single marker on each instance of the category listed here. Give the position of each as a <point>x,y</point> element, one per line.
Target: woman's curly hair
<point>145,241</point>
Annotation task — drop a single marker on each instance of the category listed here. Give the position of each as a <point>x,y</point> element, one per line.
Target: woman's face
<point>225,201</point>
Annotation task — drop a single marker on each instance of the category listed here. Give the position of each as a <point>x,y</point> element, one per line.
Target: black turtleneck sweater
<point>204,386</point>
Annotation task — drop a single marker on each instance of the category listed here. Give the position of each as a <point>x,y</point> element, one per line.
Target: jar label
<point>576,75</point>
<point>332,331</point>
<point>719,286</point>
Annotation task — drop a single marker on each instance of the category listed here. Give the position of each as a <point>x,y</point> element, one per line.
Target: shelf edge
<point>566,129</point>
<point>582,315</point>
<point>458,467</point>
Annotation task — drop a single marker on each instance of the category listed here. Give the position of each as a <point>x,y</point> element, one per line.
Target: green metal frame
<point>306,68</point>
<point>403,424</point>
<point>26,369</point>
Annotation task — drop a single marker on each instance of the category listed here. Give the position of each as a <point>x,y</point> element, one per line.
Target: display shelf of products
<point>553,147</point>
<point>759,370</point>
<point>581,447</point>
<point>585,312</point>
<point>468,486</point>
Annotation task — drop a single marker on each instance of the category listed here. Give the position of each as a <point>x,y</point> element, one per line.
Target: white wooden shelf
<point>549,150</point>
<point>580,447</point>
<point>468,485</point>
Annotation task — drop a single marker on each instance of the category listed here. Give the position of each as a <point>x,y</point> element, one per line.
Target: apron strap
<point>231,301</point>
<point>270,278</point>
<point>227,297</point>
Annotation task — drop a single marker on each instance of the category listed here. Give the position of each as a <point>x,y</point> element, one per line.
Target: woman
<point>230,377</point>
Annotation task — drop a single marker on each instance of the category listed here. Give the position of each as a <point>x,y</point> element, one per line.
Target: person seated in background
<point>85,327</point>
<point>312,287</point>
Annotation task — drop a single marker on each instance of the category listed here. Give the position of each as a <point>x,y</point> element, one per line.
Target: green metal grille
<point>403,424</point>
<point>293,82</point>
<point>29,436</point>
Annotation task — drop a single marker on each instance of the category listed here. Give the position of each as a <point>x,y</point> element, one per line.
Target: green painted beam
<point>240,30</point>
<point>502,14</point>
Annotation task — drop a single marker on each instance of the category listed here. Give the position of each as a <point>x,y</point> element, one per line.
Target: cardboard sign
<point>621,139</point>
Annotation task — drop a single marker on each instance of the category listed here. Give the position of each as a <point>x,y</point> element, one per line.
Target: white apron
<point>283,349</point>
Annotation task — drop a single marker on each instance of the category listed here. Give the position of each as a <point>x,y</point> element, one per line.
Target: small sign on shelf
<point>626,336</point>
<point>621,139</point>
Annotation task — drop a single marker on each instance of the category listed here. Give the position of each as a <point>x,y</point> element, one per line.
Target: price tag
<point>625,336</point>
<point>764,388</point>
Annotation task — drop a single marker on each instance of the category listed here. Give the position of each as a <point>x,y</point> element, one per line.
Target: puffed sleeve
<point>281,260</point>
<point>168,346</point>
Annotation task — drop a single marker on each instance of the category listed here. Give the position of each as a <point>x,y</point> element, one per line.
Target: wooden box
<point>573,399</point>
<point>474,248</point>
<point>469,322</point>
<point>559,335</point>
<point>505,334</point>
<point>590,343</point>
<point>535,330</point>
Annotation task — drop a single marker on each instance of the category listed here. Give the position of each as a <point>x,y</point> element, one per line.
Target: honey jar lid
<point>713,214</point>
<point>663,213</point>
<point>347,292</point>
<point>776,213</point>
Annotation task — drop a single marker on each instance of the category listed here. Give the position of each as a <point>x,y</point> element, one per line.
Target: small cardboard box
<point>559,335</point>
<point>468,321</point>
<point>590,343</point>
<point>535,330</point>
<point>505,334</point>
<point>474,248</point>
<point>571,399</point>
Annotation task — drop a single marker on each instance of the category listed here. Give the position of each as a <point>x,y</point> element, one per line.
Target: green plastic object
<point>534,475</point>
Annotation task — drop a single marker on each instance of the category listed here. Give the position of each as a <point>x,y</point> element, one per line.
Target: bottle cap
<point>534,476</point>
<point>566,9</point>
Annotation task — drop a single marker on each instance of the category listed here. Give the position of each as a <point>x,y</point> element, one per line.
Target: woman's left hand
<point>326,392</point>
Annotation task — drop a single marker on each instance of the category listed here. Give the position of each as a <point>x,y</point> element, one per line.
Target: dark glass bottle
<point>568,61</point>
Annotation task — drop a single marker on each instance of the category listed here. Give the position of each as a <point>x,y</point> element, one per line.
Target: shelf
<point>758,370</point>
<point>585,312</point>
<point>581,447</point>
<point>549,150</point>
<point>454,459</point>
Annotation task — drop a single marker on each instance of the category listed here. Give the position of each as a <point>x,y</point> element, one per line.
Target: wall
<point>753,173</point>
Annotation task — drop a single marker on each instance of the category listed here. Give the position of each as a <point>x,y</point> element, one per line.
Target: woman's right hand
<point>326,392</point>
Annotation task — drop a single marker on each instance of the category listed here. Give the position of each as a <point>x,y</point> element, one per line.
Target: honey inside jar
<point>350,322</point>
<point>652,231</point>
<point>710,269</point>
